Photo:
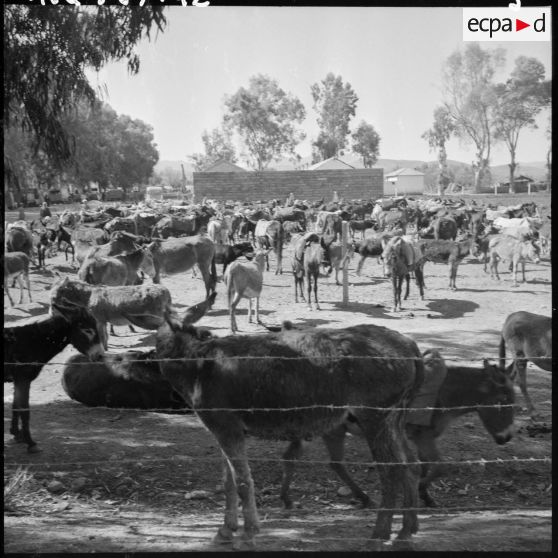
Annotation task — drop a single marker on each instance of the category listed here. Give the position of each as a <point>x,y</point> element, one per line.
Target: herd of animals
<point>366,380</point>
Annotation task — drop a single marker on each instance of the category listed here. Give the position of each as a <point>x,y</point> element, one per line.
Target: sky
<point>392,57</point>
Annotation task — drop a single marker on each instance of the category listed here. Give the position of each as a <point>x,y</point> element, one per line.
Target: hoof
<point>244,544</point>
<point>34,449</point>
<point>224,536</point>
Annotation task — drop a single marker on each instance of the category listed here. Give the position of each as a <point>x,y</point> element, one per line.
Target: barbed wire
<point>188,458</point>
<point>262,357</point>
<point>328,407</point>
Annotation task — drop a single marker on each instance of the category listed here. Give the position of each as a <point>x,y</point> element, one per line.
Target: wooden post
<point>344,243</point>
<point>495,188</point>
<point>528,188</point>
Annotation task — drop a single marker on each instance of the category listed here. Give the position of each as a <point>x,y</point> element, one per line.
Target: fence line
<point>188,458</point>
<point>173,410</point>
<point>260,358</point>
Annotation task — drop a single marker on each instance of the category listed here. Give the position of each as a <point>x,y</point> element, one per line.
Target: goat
<point>29,346</point>
<point>296,384</point>
<point>16,267</point>
<point>245,280</point>
<point>141,305</point>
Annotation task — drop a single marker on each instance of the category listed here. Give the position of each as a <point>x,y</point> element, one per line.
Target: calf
<point>141,305</point>
<point>29,346</point>
<point>16,267</point>
<point>507,248</point>
<point>529,337</point>
<point>307,388</point>
<point>447,251</point>
<point>245,280</point>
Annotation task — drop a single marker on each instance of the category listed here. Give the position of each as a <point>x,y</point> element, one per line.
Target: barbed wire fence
<point>480,463</point>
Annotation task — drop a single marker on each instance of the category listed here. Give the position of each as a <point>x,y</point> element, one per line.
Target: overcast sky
<point>392,57</point>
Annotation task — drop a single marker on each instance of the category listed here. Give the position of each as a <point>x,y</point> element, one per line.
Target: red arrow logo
<point>519,25</point>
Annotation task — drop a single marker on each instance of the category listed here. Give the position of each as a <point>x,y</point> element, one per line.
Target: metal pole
<point>344,244</point>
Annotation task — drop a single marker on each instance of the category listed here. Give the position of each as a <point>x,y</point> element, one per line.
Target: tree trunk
<point>512,166</point>
<point>548,170</point>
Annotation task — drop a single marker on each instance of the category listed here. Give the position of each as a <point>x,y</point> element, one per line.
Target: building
<point>333,163</point>
<point>224,166</point>
<point>404,181</point>
<point>520,183</point>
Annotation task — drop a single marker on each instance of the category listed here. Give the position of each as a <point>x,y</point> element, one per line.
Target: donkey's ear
<point>197,311</point>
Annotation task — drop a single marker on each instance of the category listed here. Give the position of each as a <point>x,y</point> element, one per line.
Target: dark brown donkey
<point>460,390</point>
<point>291,385</point>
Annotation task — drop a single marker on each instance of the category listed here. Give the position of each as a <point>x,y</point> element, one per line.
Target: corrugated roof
<point>405,172</point>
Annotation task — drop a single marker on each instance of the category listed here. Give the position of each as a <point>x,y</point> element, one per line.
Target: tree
<point>217,145</point>
<point>109,149</point>
<point>470,99</point>
<point>437,136</point>
<point>518,101</point>
<point>366,142</point>
<point>46,53</point>
<point>335,102</point>
<point>265,118</point>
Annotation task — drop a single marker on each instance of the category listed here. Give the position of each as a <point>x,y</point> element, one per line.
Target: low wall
<point>310,185</point>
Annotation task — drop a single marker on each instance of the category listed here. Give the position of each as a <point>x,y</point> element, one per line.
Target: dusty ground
<point>131,481</point>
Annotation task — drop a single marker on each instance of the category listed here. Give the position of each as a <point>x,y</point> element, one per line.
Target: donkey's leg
<point>28,286</point>
<point>334,441</point>
<point>316,291</point>
<point>21,403</point>
<point>521,369</point>
<point>21,287</point>
<point>232,309</point>
<point>292,454</point>
<point>407,282</point>
<point>225,533</point>
<point>377,428</point>
<point>7,290</point>
<point>425,441</point>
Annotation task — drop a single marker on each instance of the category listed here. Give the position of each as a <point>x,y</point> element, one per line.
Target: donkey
<point>313,256</point>
<point>29,346</point>
<point>291,385</point>
<point>16,267</point>
<point>529,337</point>
<point>400,257</point>
<point>447,393</point>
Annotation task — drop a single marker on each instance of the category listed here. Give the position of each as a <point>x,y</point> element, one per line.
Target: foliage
<point>110,149</point>
<point>519,100</point>
<point>470,99</point>
<point>437,136</point>
<point>366,142</point>
<point>335,102</point>
<point>218,146</point>
<point>46,53</point>
<point>265,118</point>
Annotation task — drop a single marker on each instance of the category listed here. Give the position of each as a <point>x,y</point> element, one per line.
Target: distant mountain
<point>535,170</point>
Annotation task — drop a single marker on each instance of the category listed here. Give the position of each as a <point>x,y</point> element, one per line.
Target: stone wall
<point>309,185</point>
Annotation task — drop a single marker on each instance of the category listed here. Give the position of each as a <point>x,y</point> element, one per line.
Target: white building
<point>403,181</point>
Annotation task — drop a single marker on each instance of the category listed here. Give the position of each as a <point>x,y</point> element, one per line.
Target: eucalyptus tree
<point>266,118</point>
<point>366,142</point>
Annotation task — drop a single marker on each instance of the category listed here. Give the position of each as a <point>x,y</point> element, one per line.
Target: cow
<point>442,228</point>
<point>528,336</point>
<point>371,246</point>
<point>507,248</point>
<point>307,388</point>
<point>177,255</point>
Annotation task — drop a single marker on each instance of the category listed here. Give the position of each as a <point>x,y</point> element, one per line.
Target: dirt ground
<point>133,481</point>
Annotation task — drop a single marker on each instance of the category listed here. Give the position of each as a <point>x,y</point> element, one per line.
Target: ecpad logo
<point>505,24</point>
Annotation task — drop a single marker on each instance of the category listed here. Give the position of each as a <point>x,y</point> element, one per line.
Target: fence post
<point>495,188</point>
<point>344,243</point>
<point>528,188</point>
